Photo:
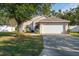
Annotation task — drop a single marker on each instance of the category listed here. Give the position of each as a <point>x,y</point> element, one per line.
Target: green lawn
<point>7,33</point>
<point>22,46</point>
<point>74,34</point>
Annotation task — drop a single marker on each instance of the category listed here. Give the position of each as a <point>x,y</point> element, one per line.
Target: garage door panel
<point>52,29</point>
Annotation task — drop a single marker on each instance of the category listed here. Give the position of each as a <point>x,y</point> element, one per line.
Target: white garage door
<point>51,29</point>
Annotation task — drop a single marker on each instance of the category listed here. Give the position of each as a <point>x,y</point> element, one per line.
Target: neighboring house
<point>74,28</point>
<point>10,26</point>
<point>49,25</point>
<point>7,28</point>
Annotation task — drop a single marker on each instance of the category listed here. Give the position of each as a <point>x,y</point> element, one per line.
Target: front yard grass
<point>74,34</point>
<point>7,33</point>
<point>21,46</point>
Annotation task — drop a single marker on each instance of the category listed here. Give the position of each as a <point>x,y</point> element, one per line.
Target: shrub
<point>27,29</point>
<point>68,31</point>
<point>17,28</point>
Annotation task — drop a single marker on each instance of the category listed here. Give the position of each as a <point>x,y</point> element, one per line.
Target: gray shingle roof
<point>53,19</point>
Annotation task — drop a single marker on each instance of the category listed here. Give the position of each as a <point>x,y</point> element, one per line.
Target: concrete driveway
<point>60,45</point>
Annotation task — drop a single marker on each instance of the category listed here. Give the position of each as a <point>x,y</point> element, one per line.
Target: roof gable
<point>53,19</point>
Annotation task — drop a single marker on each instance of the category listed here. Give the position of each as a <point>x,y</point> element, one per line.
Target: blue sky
<point>64,6</point>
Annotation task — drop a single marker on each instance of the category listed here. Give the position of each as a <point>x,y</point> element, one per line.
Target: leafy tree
<point>72,15</point>
<point>59,14</point>
<point>53,12</point>
<point>77,15</point>
<point>22,12</point>
<point>44,9</point>
<point>2,19</point>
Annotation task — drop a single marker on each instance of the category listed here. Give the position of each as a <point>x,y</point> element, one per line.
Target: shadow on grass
<point>26,46</point>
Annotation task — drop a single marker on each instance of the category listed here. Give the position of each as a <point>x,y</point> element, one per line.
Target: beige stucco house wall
<point>53,26</point>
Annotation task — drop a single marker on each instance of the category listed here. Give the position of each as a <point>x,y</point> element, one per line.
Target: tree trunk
<point>19,23</point>
<point>20,28</point>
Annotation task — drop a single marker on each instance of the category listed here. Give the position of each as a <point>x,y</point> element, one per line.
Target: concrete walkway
<point>60,45</point>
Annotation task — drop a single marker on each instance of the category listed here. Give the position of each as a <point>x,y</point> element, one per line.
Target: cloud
<point>64,6</point>
<point>68,6</point>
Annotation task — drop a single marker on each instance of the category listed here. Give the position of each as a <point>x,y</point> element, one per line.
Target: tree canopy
<point>72,15</point>
<point>22,11</point>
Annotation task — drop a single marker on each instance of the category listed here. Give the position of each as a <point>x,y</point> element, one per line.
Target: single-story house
<point>53,25</point>
<point>31,23</point>
<point>48,25</point>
